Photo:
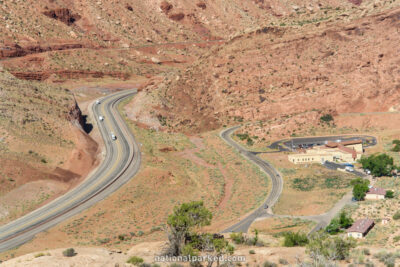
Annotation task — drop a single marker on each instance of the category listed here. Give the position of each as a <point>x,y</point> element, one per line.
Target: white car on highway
<point>113,137</point>
<point>98,102</point>
<point>101,118</point>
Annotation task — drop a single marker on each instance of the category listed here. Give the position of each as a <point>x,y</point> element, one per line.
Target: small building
<point>360,228</point>
<point>375,193</point>
<point>385,221</point>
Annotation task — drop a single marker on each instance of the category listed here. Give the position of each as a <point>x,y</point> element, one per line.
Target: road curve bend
<point>276,179</point>
<point>121,163</point>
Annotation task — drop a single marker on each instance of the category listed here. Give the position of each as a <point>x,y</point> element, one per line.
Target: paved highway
<point>121,163</point>
<point>276,179</point>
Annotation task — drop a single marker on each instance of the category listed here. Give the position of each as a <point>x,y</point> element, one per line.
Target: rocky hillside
<point>65,24</point>
<point>285,72</point>
<point>40,135</point>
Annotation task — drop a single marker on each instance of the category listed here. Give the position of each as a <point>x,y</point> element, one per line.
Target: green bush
<point>396,216</point>
<point>389,194</point>
<point>269,264</point>
<point>135,260</point>
<point>326,118</point>
<point>70,252</point>
<point>295,239</point>
<point>237,238</point>
<point>283,261</point>
<point>251,251</point>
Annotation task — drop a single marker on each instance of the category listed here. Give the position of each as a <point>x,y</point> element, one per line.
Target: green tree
<point>360,188</point>
<point>389,194</point>
<point>359,191</point>
<point>344,220</point>
<point>333,227</point>
<point>378,164</point>
<point>185,218</point>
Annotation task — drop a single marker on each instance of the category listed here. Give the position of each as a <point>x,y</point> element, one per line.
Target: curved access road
<point>276,179</point>
<point>121,163</point>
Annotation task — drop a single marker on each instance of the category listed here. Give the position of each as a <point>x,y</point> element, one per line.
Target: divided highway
<point>121,163</point>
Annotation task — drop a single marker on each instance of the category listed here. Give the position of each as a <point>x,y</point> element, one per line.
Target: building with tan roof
<point>375,193</point>
<point>349,151</point>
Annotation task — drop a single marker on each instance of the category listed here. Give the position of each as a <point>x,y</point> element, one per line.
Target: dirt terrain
<point>286,78</point>
<point>199,65</point>
<point>44,150</point>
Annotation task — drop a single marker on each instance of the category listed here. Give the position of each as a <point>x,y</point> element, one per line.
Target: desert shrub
<point>396,216</point>
<point>237,238</point>
<point>283,261</point>
<point>334,248</point>
<point>145,265</point>
<point>41,254</point>
<point>103,240</point>
<point>251,251</point>
<point>70,252</point>
<point>366,251</point>
<point>135,260</point>
<point>303,184</point>
<point>269,264</point>
<point>295,239</point>
<point>326,118</point>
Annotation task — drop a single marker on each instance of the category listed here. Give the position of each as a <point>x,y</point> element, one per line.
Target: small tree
<point>389,194</point>
<point>183,220</point>
<point>378,164</point>
<point>360,188</point>
<point>344,220</point>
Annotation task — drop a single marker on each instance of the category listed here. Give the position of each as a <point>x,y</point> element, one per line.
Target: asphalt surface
<point>322,220</point>
<point>121,163</point>
<point>276,179</point>
<point>289,144</point>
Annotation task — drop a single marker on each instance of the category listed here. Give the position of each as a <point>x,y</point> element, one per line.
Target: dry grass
<point>308,189</point>
<point>137,211</point>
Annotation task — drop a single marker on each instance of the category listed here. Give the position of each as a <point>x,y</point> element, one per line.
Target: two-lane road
<point>121,163</point>
<point>276,179</point>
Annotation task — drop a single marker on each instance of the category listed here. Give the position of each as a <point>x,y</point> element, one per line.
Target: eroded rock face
<point>16,50</point>
<point>62,14</point>
<point>273,73</point>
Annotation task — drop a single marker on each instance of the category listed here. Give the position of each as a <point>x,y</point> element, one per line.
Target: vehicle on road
<point>98,102</point>
<point>101,118</point>
<point>113,137</point>
<point>349,169</point>
<point>265,206</point>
